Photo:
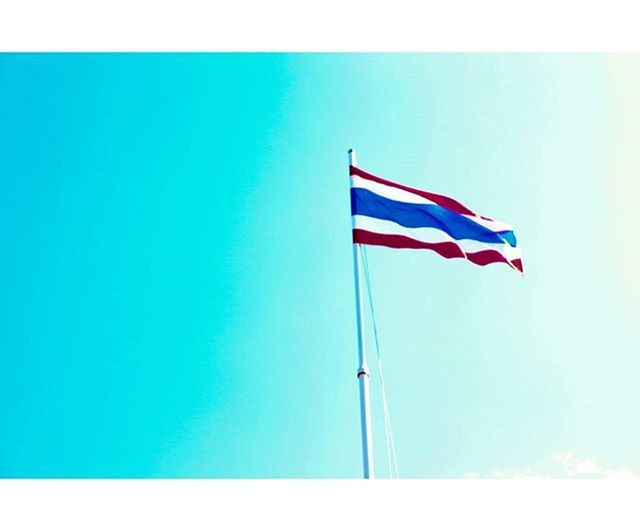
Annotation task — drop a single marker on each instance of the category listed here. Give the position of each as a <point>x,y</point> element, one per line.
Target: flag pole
<point>363,369</point>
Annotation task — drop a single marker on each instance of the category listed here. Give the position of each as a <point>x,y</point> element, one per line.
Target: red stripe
<point>444,249</point>
<point>518,263</point>
<point>438,199</point>
<point>491,256</point>
<point>488,256</point>
<point>396,241</point>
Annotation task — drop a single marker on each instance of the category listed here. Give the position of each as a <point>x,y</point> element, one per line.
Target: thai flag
<point>390,214</point>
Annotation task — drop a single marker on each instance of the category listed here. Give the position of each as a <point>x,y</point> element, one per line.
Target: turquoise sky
<point>176,268</point>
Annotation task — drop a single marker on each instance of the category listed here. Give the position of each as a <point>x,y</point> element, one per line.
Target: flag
<point>393,215</point>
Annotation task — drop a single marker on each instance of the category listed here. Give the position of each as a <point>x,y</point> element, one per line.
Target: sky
<point>177,280</point>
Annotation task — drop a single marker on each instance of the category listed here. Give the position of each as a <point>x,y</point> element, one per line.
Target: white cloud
<point>575,467</point>
<point>527,474</point>
<point>507,474</point>
<point>571,466</point>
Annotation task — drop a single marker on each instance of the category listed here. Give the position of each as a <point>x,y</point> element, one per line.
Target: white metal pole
<point>363,369</point>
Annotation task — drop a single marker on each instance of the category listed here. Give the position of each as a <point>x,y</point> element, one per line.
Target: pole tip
<point>352,157</point>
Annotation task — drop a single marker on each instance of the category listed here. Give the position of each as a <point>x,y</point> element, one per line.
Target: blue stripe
<point>509,236</point>
<point>410,215</point>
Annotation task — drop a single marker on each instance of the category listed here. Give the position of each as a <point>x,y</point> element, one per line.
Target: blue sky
<point>177,277</point>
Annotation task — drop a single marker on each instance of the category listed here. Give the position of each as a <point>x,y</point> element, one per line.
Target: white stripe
<point>389,192</point>
<point>431,235</point>
<point>495,226</point>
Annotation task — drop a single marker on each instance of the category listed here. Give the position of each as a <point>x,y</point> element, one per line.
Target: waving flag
<point>392,215</point>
